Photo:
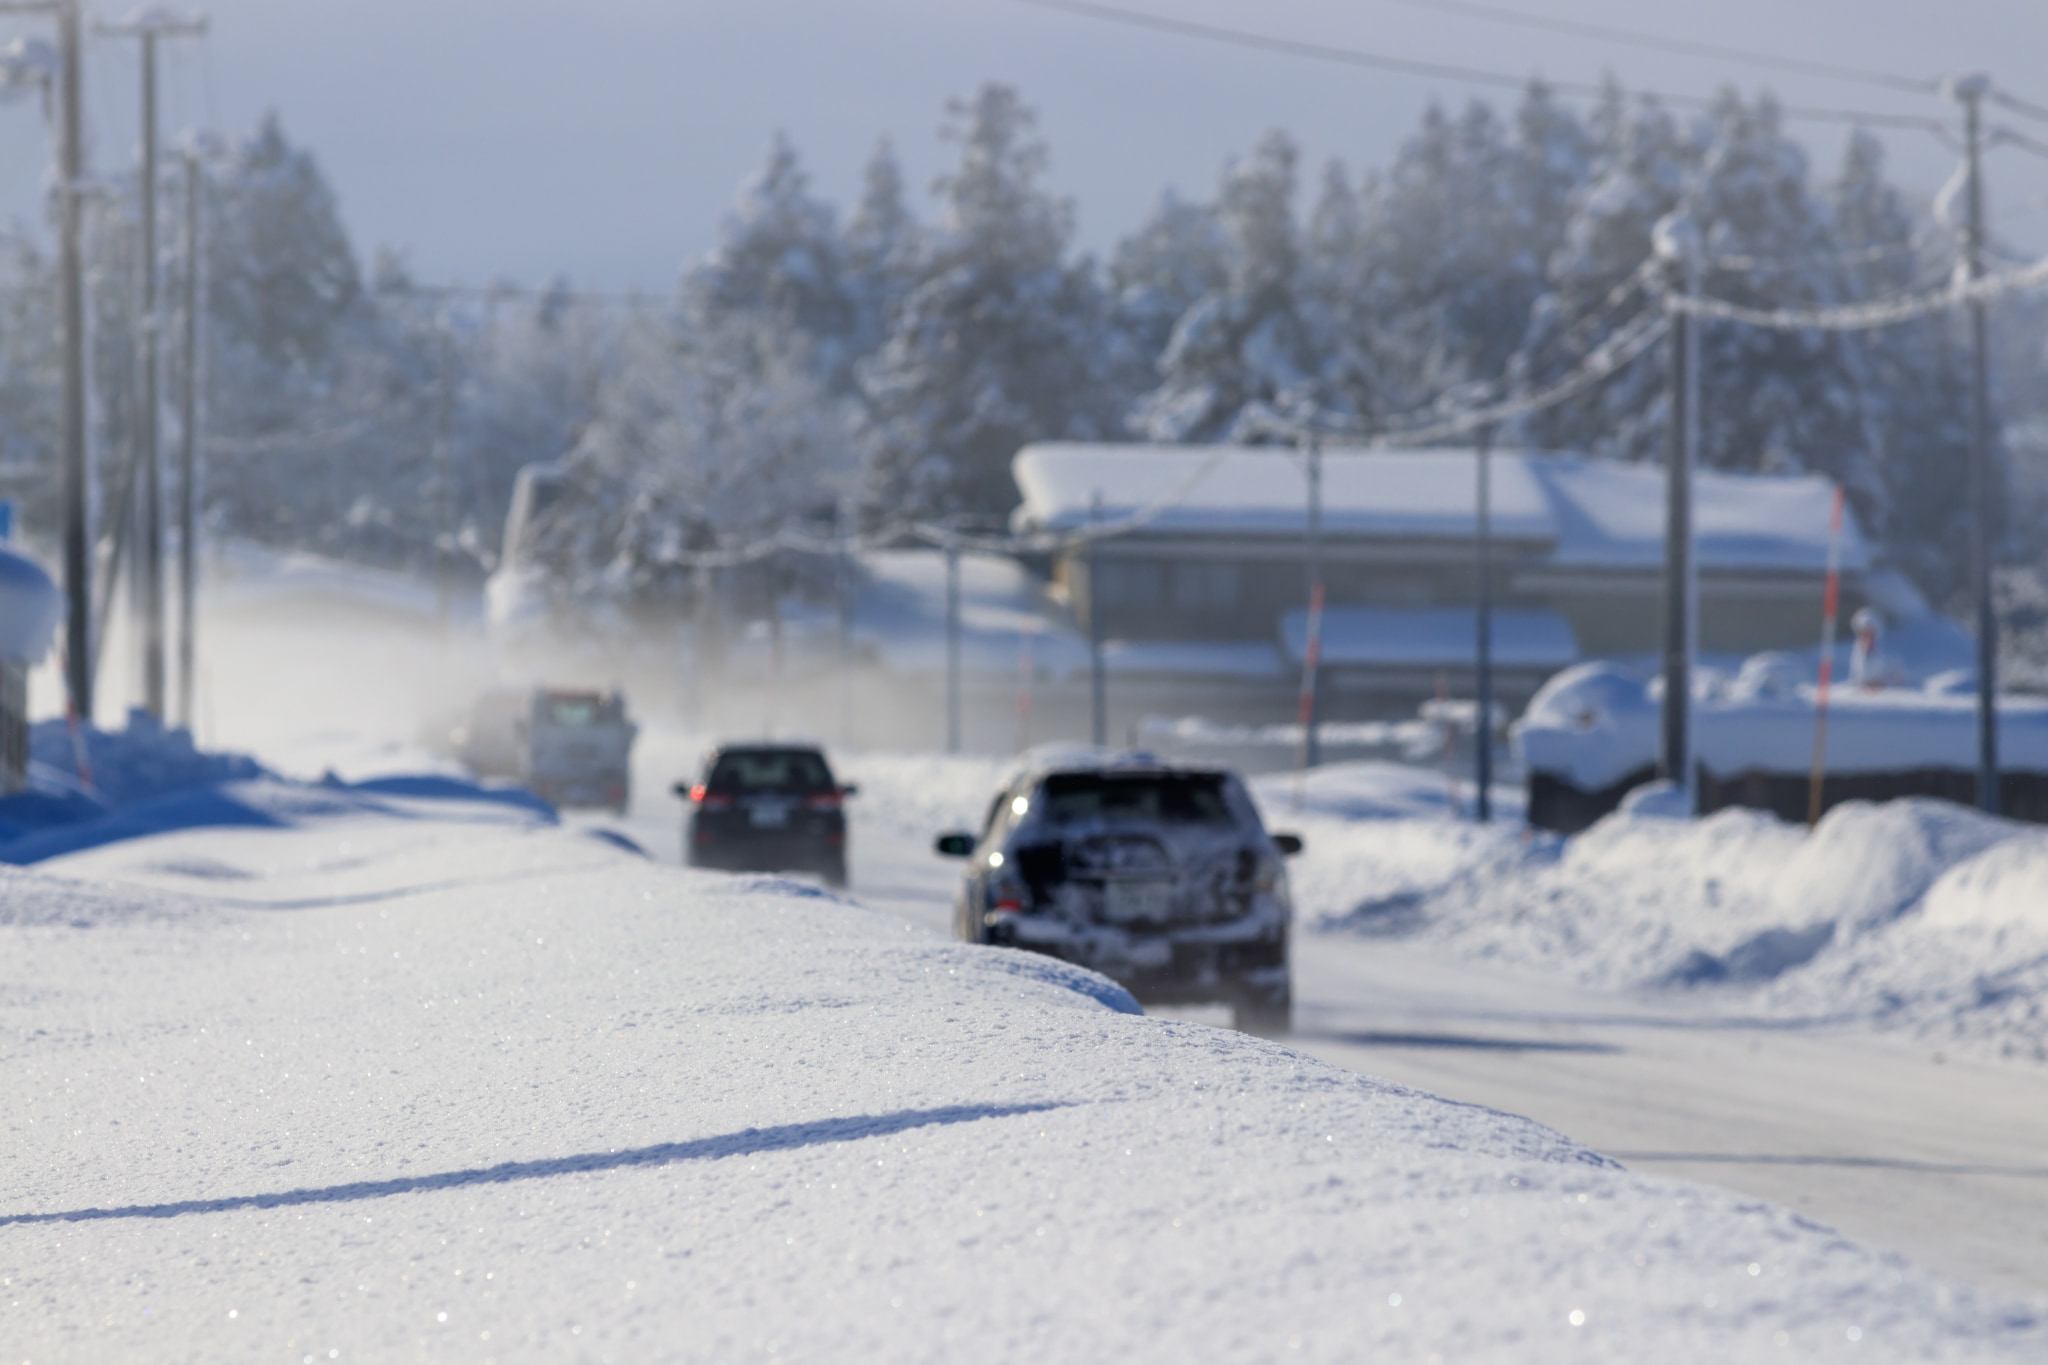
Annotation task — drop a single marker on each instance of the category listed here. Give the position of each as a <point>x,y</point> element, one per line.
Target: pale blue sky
<point>603,139</point>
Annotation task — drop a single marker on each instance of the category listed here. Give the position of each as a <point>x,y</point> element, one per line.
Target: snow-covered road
<point>409,1083</point>
<point>1945,1161</point>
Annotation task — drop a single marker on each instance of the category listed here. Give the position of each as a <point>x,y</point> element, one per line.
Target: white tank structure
<point>30,608</point>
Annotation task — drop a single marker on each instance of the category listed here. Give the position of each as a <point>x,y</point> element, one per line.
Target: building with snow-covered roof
<point>1217,556</point>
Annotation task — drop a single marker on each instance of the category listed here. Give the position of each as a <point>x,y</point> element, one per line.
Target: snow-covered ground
<point>1916,915</point>
<point>415,1079</point>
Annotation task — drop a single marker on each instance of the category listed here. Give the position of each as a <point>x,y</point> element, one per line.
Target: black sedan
<point>767,808</point>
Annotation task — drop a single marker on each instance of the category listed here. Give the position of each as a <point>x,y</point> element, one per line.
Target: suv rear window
<point>1176,798</point>
<point>574,711</point>
<point>745,770</point>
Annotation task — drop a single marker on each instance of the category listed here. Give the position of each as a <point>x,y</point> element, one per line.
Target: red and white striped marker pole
<point>1311,660</point>
<point>1830,600</point>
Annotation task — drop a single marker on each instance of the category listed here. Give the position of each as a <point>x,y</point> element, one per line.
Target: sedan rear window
<point>792,770</point>
<point>1176,798</point>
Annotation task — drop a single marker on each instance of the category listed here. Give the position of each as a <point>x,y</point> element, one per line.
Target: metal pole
<point>845,595</point>
<point>952,649</point>
<point>1676,764</point>
<point>1482,729</point>
<point>1098,693</point>
<point>78,641</point>
<point>1983,481</point>
<point>150,546</point>
<point>188,456</point>
<point>444,479</point>
<point>1311,745</point>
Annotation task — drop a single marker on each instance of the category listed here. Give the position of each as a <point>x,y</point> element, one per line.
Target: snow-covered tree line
<point>821,369</point>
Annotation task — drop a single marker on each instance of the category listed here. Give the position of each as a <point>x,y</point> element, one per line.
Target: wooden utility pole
<point>148,27</point>
<point>1676,240</point>
<point>188,455</point>
<point>1983,481</point>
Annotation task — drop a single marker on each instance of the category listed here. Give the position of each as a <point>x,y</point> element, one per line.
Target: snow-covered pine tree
<point>1774,400</point>
<point>1638,173</point>
<point>1337,302</point>
<point>711,437</point>
<point>778,261</point>
<point>1912,391</point>
<point>1459,231</point>
<point>999,341</point>
<point>879,250</point>
<point>1242,352</point>
<point>1158,272</point>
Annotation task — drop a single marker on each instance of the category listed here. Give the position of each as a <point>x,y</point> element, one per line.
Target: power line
<point>2008,137</point>
<point>544,293</point>
<point>1345,56</point>
<point>1857,317</point>
<point>1682,46</point>
<point>2018,105</point>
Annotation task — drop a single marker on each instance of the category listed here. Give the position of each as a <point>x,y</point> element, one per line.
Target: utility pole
<point>148,27</point>
<point>78,634</point>
<point>1098,692</point>
<point>1676,241</point>
<point>188,456</point>
<point>1482,729</point>
<point>952,648</point>
<point>444,486</point>
<point>1983,483</point>
<point>1311,659</point>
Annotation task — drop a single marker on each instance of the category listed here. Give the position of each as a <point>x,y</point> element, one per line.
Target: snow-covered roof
<point>1612,515</point>
<point>1432,637</point>
<point>1263,490</point>
<point>1590,513</point>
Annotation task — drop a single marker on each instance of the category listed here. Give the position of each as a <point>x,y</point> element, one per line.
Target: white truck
<point>568,747</point>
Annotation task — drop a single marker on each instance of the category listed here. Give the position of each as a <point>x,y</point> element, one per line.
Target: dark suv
<point>1161,877</point>
<point>767,808</point>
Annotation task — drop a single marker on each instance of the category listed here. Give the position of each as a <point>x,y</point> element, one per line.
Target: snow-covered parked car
<point>1161,877</point>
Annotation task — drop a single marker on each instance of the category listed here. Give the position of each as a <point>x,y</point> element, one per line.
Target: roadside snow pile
<point>1914,914</point>
<point>131,764</point>
<point>83,776</point>
<point>461,1091</point>
<point>148,780</point>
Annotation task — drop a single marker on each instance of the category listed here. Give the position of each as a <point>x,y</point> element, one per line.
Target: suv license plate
<point>768,815</point>
<point>1137,900</point>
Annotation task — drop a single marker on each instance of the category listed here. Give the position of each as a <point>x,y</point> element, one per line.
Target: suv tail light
<point>707,799</point>
<point>823,801</point>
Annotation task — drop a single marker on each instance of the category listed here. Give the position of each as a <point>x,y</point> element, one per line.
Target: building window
<point>1127,584</point>
<point>1204,587</point>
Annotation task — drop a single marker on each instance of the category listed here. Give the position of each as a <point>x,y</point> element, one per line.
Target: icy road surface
<point>402,1086</point>
<point>1941,1158</point>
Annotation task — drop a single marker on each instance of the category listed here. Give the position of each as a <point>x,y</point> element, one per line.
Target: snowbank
<point>1916,914</point>
<point>490,1090</point>
<point>147,780</point>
